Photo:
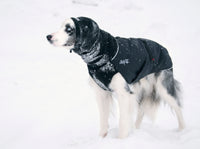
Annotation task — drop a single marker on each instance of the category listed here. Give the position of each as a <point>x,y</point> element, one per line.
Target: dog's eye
<point>68,29</point>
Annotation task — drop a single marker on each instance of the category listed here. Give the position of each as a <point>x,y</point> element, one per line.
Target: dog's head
<point>76,33</point>
<point>65,36</point>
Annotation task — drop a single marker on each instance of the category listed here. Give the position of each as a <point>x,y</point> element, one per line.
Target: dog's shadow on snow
<point>147,133</point>
<point>156,133</point>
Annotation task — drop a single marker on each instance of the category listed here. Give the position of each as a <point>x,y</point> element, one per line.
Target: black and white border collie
<point>137,71</point>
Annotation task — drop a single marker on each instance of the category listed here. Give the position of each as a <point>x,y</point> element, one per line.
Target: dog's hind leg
<point>168,90</point>
<point>104,100</point>
<point>172,102</point>
<point>147,107</point>
<point>139,118</point>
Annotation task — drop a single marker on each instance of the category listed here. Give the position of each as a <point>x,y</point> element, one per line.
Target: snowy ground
<point>45,99</point>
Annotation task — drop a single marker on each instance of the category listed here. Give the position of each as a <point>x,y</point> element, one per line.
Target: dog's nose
<point>49,37</point>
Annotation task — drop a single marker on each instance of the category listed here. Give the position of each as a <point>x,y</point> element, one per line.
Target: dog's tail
<point>172,85</point>
<point>178,90</point>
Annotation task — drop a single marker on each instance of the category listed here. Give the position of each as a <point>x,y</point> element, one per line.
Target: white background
<point>45,99</point>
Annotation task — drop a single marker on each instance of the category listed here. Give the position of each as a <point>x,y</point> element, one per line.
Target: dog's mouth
<point>50,41</point>
<point>55,42</point>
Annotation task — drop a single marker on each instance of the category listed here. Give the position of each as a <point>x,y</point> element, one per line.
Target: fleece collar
<point>92,43</point>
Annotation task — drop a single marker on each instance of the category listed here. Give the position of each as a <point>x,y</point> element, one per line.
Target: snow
<point>45,98</point>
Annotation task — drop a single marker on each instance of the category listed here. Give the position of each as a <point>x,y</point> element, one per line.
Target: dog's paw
<point>103,134</point>
<point>181,128</point>
<point>123,134</point>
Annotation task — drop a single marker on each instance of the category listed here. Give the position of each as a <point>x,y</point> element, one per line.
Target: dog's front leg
<point>104,99</point>
<point>103,102</point>
<point>125,115</point>
<point>126,104</point>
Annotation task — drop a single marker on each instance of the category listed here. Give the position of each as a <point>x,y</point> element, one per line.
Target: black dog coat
<point>136,58</point>
<point>106,55</point>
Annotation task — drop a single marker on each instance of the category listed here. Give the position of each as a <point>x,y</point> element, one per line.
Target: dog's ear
<point>88,24</point>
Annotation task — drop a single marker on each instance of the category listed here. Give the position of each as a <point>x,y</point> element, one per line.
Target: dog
<point>139,72</point>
